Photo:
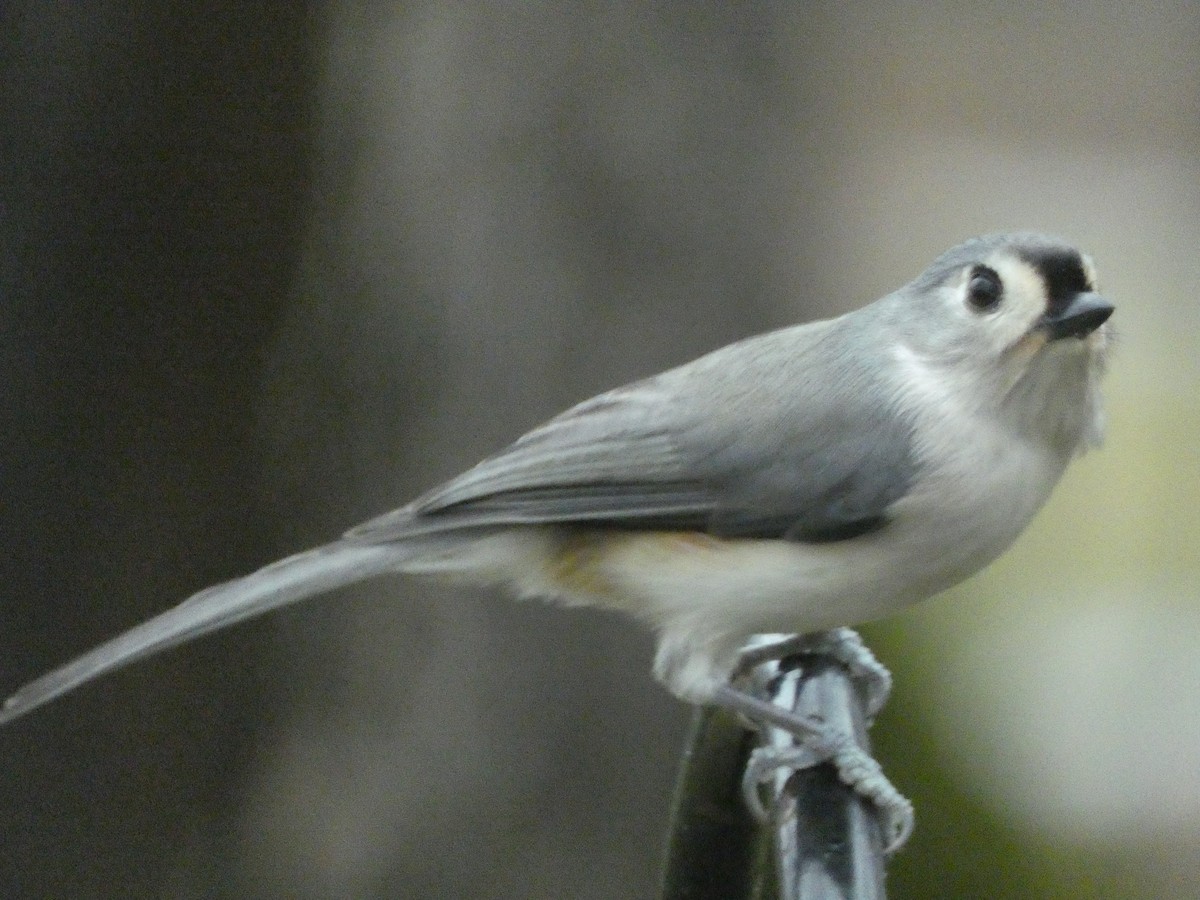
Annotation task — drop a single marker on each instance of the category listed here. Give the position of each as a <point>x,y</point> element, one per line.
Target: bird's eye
<point>984,289</point>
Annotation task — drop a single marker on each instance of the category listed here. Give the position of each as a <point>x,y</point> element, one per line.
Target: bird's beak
<point>1080,317</point>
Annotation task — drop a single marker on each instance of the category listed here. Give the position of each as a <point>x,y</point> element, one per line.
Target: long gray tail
<point>278,584</point>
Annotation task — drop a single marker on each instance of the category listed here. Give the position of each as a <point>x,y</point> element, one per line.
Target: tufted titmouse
<point>816,476</point>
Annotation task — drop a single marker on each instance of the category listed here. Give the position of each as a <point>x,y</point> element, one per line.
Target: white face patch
<point>1089,272</point>
<point>983,358</point>
<point>981,354</point>
<point>1021,305</point>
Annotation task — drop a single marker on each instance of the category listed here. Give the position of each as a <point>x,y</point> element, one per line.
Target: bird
<point>813,477</point>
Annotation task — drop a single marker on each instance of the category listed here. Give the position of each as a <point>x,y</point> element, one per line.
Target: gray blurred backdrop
<point>267,269</point>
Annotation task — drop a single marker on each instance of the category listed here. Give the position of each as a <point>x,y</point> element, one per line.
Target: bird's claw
<point>855,767</point>
<point>841,644</point>
<point>812,741</point>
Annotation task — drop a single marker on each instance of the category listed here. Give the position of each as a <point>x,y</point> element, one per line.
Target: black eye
<point>984,289</point>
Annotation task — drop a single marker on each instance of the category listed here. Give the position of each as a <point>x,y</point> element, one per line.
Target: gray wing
<point>780,436</point>
<point>611,459</point>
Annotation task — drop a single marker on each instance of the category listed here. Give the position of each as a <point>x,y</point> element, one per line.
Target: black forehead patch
<point>1061,268</point>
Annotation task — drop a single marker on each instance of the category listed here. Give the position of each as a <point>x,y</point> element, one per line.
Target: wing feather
<point>788,435</point>
<point>611,459</point>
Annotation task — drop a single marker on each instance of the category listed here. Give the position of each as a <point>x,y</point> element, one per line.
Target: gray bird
<point>817,476</point>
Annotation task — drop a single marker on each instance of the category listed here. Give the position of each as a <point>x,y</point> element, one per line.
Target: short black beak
<point>1083,314</point>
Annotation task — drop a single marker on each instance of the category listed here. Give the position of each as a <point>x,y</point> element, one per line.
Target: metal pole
<point>828,842</point>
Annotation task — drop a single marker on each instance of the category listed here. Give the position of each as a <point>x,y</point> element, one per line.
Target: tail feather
<point>287,581</point>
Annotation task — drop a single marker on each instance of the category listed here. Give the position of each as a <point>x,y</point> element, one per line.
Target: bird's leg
<point>810,740</point>
<point>841,644</point>
<point>763,712</point>
<point>856,769</point>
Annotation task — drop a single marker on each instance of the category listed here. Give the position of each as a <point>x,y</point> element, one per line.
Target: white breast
<point>981,479</point>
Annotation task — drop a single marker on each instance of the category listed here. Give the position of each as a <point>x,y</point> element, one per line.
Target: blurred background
<point>268,269</point>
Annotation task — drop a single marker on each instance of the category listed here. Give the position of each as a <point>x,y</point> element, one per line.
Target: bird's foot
<point>804,740</point>
<point>855,767</point>
<point>841,644</point>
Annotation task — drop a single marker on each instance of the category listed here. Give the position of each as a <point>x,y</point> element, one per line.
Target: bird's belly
<point>936,538</point>
<point>716,586</point>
